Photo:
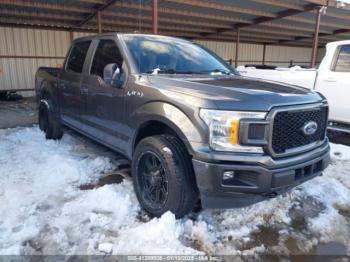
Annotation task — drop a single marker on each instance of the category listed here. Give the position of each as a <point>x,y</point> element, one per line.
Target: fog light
<point>228,175</point>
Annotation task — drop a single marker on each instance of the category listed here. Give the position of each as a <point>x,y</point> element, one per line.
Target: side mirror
<point>112,74</point>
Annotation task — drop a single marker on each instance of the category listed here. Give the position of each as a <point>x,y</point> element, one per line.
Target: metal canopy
<point>268,22</point>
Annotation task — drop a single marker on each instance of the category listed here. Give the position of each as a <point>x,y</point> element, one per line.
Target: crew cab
<point>331,79</point>
<point>193,129</point>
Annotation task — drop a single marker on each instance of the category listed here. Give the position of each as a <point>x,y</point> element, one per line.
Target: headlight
<point>224,129</point>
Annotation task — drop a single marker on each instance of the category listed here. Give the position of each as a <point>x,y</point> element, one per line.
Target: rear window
<point>343,61</point>
<point>77,56</point>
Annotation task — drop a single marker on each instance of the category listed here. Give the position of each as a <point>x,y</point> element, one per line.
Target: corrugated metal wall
<point>253,53</point>
<point>247,52</point>
<point>81,34</point>
<point>22,51</point>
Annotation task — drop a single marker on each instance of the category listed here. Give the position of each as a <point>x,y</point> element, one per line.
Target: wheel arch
<point>159,126</point>
<point>47,92</point>
<point>162,118</point>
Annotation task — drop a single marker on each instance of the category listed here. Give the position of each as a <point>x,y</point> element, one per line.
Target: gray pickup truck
<point>193,129</point>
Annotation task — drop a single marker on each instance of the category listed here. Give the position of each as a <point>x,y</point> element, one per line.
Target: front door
<point>104,104</point>
<point>335,86</point>
<point>70,81</point>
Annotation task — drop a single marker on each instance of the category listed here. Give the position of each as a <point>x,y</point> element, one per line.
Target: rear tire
<point>49,122</point>
<point>163,176</point>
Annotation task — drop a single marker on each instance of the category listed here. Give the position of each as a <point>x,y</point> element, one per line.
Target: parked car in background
<point>191,126</point>
<point>331,79</point>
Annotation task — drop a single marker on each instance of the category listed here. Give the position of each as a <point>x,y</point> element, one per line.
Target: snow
<point>105,248</point>
<point>45,212</point>
<point>340,152</point>
<point>159,236</point>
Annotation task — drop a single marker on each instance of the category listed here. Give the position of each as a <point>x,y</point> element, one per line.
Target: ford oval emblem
<point>310,128</point>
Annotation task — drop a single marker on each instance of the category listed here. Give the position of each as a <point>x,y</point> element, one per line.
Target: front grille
<point>288,128</point>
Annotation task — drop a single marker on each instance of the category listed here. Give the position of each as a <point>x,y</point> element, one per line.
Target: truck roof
<point>336,43</point>
<point>115,34</point>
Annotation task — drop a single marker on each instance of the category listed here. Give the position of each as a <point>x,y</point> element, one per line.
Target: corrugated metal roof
<point>288,22</point>
<point>22,51</point>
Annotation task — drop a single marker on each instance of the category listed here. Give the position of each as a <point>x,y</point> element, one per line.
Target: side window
<point>343,61</point>
<point>77,56</point>
<point>106,53</point>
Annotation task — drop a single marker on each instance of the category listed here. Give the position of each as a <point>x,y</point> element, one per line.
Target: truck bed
<point>295,75</point>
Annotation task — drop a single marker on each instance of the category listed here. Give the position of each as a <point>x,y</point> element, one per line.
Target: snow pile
<point>159,236</point>
<point>317,211</point>
<point>45,212</point>
<point>332,191</point>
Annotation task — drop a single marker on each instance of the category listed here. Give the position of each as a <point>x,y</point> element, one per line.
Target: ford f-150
<point>193,129</point>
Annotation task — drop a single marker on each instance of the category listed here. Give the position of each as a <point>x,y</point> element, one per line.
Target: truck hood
<point>237,92</point>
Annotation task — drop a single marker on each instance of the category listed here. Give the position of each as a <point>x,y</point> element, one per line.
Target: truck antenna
<point>140,24</point>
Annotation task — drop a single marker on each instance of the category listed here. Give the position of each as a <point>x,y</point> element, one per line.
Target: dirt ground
<point>20,113</point>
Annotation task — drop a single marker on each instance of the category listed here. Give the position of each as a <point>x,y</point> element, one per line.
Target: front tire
<point>163,176</point>
<point>49,122</point>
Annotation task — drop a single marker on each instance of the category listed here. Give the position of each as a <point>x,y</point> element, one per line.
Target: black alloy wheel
<point>49,121</point>
<point>43,119</point>
<point>153,181</point>
<point>163,176</point>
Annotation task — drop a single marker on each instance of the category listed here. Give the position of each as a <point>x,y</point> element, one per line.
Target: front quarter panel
<point>170,116</point>
<point>181,113</point>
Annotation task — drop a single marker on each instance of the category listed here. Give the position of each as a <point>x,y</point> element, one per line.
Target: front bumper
<point>253,181</point>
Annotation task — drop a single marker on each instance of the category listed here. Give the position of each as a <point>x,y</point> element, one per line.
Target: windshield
<point>157,55</point>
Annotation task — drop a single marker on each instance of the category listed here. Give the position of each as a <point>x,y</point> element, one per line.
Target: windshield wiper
<point>157,71</point>
<point>217,71</point>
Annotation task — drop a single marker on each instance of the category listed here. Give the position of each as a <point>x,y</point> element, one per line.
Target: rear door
<point>104,104</point>
<point>70,81</point>
<point>334,84</point>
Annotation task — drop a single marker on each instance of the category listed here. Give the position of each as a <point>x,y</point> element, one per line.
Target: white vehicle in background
<point>331,79</point>
<point>295,75</point>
